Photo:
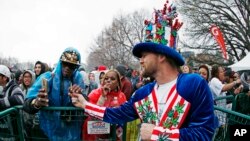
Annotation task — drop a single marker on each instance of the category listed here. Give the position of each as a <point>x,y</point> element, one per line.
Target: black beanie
<point>121,69</point>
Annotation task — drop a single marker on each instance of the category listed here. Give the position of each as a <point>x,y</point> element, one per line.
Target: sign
<point>98,127</point>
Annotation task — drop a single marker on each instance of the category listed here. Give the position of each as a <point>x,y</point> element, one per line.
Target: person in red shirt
<point>106,95</point>
<point>127,87</point>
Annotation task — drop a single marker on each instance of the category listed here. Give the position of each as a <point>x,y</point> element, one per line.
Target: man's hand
<point>41,99</point>
<point>75,89</point>
<point>146,131</point>
<point>238,89</point>
<point>238,81</point>
<point>78,100</point>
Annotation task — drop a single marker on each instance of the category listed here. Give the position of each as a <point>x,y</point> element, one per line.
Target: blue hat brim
<point>159,49</point>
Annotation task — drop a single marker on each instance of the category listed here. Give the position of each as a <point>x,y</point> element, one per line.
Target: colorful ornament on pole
<point>163,29</point>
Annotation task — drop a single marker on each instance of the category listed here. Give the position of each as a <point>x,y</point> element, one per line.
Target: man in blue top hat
<point>55,93</point>
<point>176,106</point>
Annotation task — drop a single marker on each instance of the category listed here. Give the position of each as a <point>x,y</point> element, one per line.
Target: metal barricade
<point>13,120</point>
<point>11,125</point>
<point>230,117</point>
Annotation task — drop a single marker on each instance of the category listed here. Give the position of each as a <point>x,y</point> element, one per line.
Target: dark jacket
<point>11,95</point>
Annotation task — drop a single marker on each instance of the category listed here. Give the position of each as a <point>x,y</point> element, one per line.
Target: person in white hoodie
<point>10,96</point>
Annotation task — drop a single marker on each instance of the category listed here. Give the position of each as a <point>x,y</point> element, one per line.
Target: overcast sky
<point>32,30</point>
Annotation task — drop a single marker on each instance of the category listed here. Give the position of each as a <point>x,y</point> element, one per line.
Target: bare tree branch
<point>232,16</point>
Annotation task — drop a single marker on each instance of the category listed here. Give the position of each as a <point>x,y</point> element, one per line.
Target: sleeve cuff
<point>95,110</point>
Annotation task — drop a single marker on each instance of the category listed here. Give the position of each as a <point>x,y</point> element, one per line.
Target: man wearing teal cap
<point>53,123</point>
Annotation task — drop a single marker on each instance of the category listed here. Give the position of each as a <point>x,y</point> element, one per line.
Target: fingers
<point>42,95</point>
<point>146,131</point>
<point>42,102</point>
<point>78,100</point>
<point>73,95</point>
<point>42,99</point>
<point>74,99</point>
<point>106,89</point>
<point>75,89</point>
<point>42,90</point>
<point>238,81</point>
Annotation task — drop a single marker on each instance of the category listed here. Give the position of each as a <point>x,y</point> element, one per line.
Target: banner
<point>215,31</point>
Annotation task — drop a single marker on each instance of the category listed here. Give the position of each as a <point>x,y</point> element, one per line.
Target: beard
<point>149,72</point>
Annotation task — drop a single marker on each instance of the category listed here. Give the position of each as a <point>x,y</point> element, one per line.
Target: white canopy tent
<point>243,64</point>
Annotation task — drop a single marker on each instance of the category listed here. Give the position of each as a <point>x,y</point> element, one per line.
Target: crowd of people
<point>26,88</point>
<point>166,99</point>
<point>122,95</point>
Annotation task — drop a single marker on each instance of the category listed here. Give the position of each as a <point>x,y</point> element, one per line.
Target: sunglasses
<point>71,66</point>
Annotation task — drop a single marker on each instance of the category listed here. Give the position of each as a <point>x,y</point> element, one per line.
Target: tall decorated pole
<point>163,19</point>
